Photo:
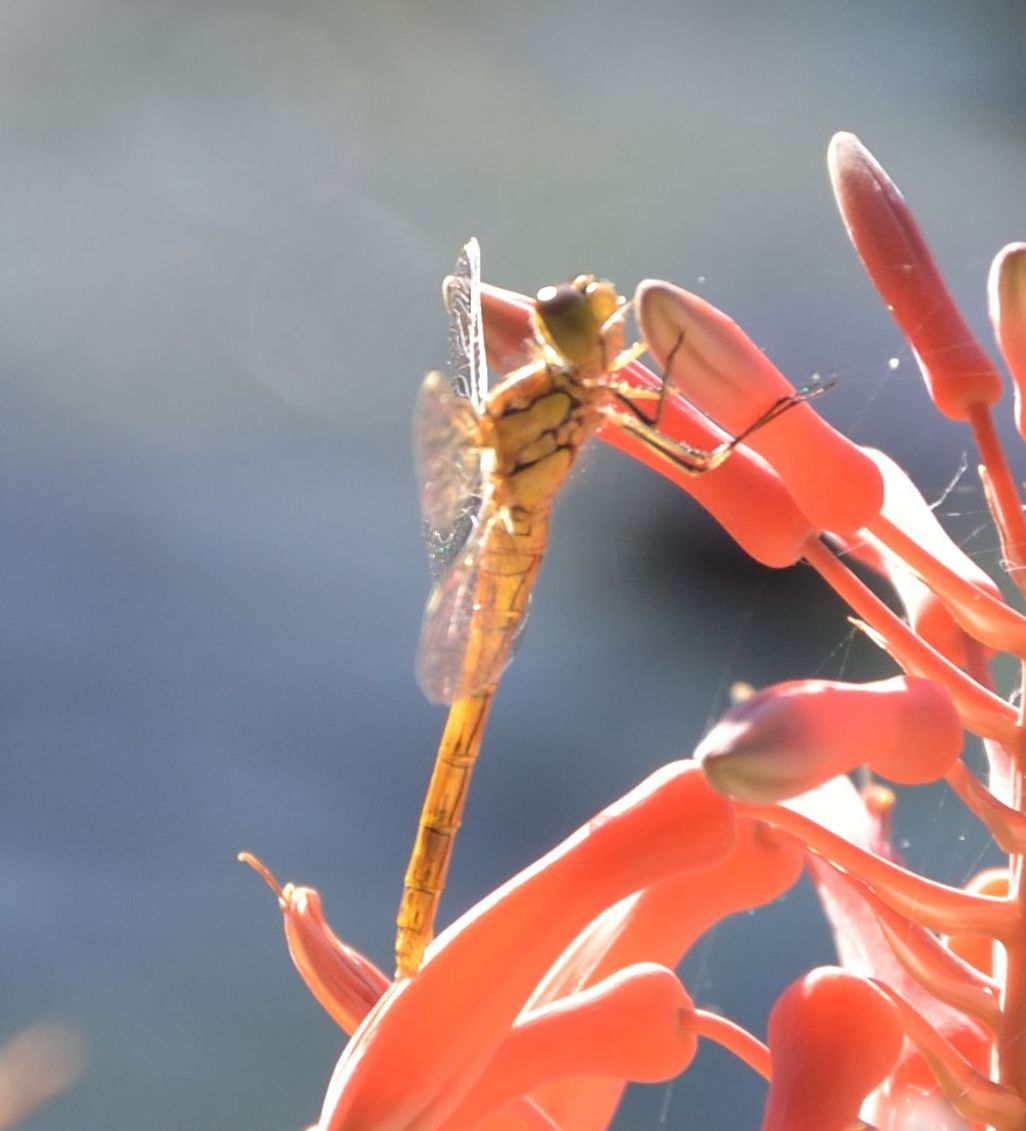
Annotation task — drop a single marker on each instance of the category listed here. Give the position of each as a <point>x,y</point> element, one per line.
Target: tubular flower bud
<point>711,360</point>
<point>833,1038</point>
<point>792,737</point>
<point>744,494</point>
<point>958,373</point>
<point>660,924</point>
<point>637,1025</point>
<point>1006,289</point>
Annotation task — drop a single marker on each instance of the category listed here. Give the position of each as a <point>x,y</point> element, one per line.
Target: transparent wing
<point>448,458</point>
<point>466,364</point>
<point>451,663</point>
<point>448,621</point>
<point>448,452</point>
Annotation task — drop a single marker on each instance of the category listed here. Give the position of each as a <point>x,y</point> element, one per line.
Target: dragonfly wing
<point>453,458</point>
<point>460,653</point>
<point>466,364</point>
<point>448,619</point>
<point>448,451</point>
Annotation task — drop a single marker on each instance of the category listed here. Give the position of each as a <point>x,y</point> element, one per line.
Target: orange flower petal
<point>346,984</point>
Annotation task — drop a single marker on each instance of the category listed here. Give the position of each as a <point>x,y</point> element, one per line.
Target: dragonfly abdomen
<point>506,573</point>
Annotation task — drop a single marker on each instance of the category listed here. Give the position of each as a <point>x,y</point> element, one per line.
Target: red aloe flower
<point>535,1008</point>
<point>928,950</point>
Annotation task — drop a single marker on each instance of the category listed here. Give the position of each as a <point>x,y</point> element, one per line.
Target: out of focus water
<point>222,231</point>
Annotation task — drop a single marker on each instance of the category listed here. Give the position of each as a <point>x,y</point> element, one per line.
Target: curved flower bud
<point>346,984</point>
<point>637,1025</point>
<point>744,494</point>
<point>958,373</point>
<point>791,737</point>
<point>833,1037</point>
<point>660,924</point>
<point>710,359</point>
<point>1006,290</point>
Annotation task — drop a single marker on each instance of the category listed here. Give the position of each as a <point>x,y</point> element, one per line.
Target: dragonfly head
<point>570,316</point>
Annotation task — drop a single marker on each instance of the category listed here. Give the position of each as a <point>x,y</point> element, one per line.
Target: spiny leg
<point>694,461</point>
<point>691,460</point>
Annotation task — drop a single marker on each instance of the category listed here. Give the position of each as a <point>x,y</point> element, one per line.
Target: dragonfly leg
<point>691,460</point>
<point>626,356</point>
<point>626,389</point>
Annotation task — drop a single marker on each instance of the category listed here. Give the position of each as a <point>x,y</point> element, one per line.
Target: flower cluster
<point>537,1007</point>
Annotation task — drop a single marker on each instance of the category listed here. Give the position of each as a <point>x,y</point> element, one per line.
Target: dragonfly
<point>490,463</point>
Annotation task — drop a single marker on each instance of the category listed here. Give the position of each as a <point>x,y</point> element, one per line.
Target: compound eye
<point>567,321</point>
<point>561,301</point>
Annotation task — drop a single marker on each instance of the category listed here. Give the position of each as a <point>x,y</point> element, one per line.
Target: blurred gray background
<point>222,232</point>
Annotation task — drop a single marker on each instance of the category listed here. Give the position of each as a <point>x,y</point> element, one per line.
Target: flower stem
<point>1001,493</point>
<point>981,711</point>
<point>734,1039</point>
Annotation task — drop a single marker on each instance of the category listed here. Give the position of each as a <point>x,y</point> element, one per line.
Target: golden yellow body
<point>527,432</point>
<point>491,464</point>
